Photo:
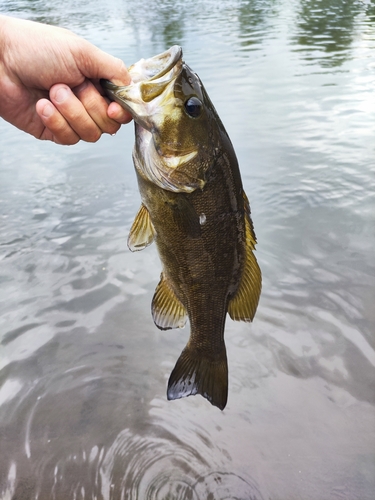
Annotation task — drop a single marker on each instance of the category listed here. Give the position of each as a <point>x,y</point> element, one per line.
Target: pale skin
<point>49,83</point>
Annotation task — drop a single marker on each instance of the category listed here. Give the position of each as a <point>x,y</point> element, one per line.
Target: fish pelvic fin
<point>196,373</point>
<point>243,305</point>
<point>167,311</point>
<point>142,232</point>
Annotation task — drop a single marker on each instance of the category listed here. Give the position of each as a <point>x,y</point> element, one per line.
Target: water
<point>83,369</point>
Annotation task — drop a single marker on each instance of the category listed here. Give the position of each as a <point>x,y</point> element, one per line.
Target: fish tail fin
<point>195,373</point>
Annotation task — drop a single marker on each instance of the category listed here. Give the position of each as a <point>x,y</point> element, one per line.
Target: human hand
<point>49,83</point>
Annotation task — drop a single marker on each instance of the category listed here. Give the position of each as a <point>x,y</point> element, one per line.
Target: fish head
<point>176,123</point>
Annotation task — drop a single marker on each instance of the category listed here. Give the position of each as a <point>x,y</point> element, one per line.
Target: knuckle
<point>93,136</point>
<point>66,141</point>
<point>65,135</point>
<point>73,140</point>
<point>112,128</point>
<point>82,89</point>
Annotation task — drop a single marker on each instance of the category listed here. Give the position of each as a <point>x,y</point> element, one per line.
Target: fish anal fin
<point>167,310</point>
<point>196,373</point>
<point>243,305</point>
<point>142,231</point>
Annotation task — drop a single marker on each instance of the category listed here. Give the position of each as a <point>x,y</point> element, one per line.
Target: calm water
<point>83,369</point>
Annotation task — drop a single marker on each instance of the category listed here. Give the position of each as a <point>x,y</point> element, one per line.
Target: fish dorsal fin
<point>243,305</point>
<point>167,310</point>
<point>142,231</point>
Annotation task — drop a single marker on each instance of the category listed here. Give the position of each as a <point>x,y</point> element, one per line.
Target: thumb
<point>95,64</point>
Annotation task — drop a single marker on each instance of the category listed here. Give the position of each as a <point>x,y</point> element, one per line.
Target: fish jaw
<point>154,68</point>
<point>152,81</point>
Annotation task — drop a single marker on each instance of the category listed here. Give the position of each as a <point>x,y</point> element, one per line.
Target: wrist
<point>6,81</point>
<point>5,21</point>
<point>3,44</point>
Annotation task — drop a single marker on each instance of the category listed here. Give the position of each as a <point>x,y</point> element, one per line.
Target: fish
<point>194,207</point>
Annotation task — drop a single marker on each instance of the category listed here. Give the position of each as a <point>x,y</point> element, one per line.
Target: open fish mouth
<point>156,100</point>
<point>150,77</point>
<point>156,67</point>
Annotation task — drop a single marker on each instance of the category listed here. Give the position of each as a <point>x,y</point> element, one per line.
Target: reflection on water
<point>255,23</point>
<point>83,370</point>
<point>330,27</point>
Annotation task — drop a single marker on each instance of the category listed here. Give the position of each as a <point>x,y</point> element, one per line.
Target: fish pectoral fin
<point>243,305</point>
<point>185,216</point>
<point>167,310</point>
<point>142,232</point>
<point>196,373</point>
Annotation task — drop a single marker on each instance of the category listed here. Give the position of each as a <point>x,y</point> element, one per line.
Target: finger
<point>56,127</point>
<point>95,64</point>
<point>118,113</point>
<point>96,106</point>
<point>74,112</point>
<point>114,111</point>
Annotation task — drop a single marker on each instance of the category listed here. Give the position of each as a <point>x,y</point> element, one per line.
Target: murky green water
<point>83,369</point>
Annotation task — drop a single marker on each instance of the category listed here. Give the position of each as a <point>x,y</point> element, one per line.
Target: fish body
<point>195,209</point>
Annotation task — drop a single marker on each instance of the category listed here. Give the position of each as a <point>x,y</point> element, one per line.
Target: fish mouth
<point>151,100</point>
<point>157,66</point>
<point>150,77</point>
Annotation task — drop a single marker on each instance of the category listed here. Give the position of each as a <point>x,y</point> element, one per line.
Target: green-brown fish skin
<point>194,207</point>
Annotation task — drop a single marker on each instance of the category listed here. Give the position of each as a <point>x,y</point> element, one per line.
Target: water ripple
<point>163,466</point>
<point>83,370</point>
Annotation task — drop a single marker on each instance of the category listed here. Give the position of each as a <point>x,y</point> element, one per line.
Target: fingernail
<point>61,95</point>
<point>47,110</point>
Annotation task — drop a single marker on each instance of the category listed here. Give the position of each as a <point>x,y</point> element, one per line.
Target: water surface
<point>83,369</point>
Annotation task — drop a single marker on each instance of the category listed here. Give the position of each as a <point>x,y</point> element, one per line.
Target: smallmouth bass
<point>195,209</point>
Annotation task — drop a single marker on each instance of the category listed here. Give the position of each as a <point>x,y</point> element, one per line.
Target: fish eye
<point>193,107</point>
